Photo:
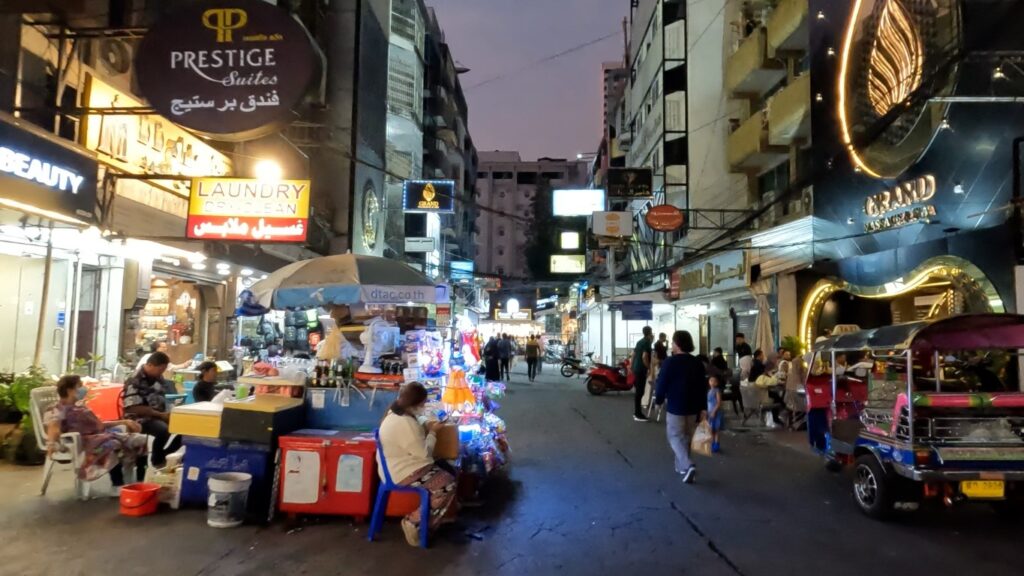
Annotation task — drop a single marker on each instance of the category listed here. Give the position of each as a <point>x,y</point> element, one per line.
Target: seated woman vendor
<point>204,390</point>
<point>104,449</point>
<point>408,448</point>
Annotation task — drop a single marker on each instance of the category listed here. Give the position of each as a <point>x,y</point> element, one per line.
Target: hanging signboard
<point>630,183</point>
<point>613,224</point>
<point>230,69</point>
<point>725,271</point>
<point>429,196</point>
<point>517,316</point>
<point>640,310</point>
<point>664,218</point>
<point>248,210</point>
<point>423,244</point>
<point>568,264</point>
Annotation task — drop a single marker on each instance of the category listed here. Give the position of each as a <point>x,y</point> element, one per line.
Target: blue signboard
<point>61,317</point>
<point>640,310</point>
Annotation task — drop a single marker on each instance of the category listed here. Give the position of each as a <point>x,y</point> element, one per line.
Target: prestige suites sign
<point>229,69</point>
<point>248,210</point>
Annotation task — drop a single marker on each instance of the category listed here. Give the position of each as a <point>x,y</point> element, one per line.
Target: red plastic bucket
<point>140,499</point>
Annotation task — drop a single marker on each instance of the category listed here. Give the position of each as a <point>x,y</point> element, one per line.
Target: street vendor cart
<point>924,410</point>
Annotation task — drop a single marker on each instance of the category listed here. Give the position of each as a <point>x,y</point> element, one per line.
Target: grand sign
<point>230,69</point>
<point>46,175</point>
<point>903,204</point>
<point>429,196</point>
<point>248,210</point>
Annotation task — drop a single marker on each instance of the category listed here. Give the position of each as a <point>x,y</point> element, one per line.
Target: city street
<point>590,492</point>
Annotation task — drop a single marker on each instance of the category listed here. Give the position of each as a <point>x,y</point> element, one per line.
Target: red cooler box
<point>328,472</point>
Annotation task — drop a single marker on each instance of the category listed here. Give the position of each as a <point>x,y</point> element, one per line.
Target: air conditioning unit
<point>112,59</point>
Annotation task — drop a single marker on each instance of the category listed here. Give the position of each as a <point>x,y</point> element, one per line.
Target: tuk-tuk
<point>924,410</point>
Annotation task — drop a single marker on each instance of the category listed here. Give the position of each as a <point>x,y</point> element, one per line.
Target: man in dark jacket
<point>683,384</point>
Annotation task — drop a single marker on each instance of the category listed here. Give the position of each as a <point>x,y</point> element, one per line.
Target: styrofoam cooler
<point>325,409</point>
<point>205,456</point>
<point>328,472</point>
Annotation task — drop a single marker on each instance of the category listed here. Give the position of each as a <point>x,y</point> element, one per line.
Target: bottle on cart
<point>318,372</point>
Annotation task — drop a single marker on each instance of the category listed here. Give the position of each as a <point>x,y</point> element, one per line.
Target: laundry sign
<point>248,209</point>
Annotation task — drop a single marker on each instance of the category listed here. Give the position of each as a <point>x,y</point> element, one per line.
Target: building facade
<point>507,186</point>
<point>108,269</point>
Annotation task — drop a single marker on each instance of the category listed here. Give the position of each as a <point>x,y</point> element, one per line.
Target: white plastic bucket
<point>225,505</point>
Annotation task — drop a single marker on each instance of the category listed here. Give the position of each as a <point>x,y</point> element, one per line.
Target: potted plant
<point>21,444</point>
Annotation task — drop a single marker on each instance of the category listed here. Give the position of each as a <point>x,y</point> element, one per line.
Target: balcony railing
<point>748,148</point>
<point>788,26</point>
<point>789,115</point>
<point>749,71</point>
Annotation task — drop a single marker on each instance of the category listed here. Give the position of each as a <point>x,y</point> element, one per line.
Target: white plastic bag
<point>701,443</point>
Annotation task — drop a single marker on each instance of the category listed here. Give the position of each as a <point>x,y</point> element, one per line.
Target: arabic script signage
<point>905,203</point>
<point>145,143</point>
<point>723,272</point>
<point>230,69</point>
<point>248,210</point>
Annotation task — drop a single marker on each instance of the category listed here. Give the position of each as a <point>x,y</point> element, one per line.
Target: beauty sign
<point>248,210</point>
<point>229,69</point>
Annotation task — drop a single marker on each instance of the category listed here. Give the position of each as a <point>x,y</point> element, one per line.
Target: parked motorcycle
<point>572,366</point>
<point>604,378</point>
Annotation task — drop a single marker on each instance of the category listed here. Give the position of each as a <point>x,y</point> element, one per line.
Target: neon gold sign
<point>896,59</point>
<point>902,195</point>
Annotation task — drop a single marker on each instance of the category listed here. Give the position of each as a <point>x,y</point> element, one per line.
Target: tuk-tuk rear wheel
<point>872,488</point>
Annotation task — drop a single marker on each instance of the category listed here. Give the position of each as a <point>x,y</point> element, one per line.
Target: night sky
<point>551,109</point>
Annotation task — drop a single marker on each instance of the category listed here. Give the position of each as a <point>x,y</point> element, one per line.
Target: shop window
<point>171,314</point>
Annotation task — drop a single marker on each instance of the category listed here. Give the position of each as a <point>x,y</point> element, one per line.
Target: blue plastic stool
<point>380,508</point>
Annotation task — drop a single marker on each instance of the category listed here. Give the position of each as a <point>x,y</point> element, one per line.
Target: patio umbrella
<point>345,279</point>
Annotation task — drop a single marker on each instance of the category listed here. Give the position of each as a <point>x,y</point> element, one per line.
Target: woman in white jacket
<point>409,450</point>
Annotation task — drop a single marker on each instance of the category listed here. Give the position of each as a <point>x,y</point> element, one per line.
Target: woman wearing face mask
<point>408,448</point>
<point>104,449</point>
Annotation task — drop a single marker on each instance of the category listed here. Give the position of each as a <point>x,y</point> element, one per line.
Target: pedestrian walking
<point>683,387</point>
<point>492,369</point>
<point>532,357</point>
<point>641,368</point>
<point>505,356</point>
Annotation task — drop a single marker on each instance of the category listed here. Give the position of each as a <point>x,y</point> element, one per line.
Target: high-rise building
<point>507,187</point>
<point>615,77</point>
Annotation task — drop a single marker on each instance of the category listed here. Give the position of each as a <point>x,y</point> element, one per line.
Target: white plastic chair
<point>70,451</point>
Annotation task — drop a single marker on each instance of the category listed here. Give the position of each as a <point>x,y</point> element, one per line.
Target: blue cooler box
<point>205,456</point>
<point>325,412</point>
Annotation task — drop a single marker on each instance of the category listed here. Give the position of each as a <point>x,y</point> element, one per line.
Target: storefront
<point>611,328</point>
<point>47,203</point>
<point>714,300</point>
<point>915,223</point>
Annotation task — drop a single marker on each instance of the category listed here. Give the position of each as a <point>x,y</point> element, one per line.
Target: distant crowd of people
<point>501,350</point>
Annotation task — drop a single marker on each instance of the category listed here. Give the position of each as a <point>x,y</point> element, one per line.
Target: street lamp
<point>268,170</point>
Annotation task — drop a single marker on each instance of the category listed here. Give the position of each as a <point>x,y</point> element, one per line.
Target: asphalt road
<point>589,492</point>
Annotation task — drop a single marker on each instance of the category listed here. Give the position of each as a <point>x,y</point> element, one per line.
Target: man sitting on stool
<point>145,401</point>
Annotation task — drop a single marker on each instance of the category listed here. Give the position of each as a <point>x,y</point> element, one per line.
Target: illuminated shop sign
<point>429,196</point>
<point>248,210</point>
<point>904,204</point>
<point>47,175</point>
<point>230,69</point>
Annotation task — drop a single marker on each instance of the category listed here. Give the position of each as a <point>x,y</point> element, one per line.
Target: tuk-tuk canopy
<point>966,332</point>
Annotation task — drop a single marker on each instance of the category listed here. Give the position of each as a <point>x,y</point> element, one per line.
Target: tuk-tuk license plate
<point>983,489</point>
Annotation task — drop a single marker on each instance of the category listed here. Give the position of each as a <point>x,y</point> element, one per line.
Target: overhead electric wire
<point>543,60</point>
